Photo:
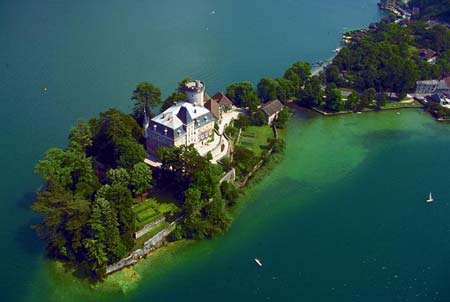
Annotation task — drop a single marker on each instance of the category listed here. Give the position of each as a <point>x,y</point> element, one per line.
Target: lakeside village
<point>128,183</point>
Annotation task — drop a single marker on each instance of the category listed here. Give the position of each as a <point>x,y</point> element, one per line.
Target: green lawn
<point>414,104</point>
<point>151,210</point>
<point>254,137</point>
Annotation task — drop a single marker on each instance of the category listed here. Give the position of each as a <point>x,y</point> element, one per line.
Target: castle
<point>185,123</point>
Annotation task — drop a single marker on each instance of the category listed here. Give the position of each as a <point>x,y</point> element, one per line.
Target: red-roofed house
<point>223,101</point>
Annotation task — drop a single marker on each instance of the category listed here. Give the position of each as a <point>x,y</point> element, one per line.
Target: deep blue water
<point>90,54</point>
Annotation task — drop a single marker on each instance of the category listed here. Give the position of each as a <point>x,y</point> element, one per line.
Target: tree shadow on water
<point>25,236</point>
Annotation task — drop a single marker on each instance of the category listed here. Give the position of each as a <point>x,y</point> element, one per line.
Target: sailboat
<point>258,261</point>
<point>430,198</point>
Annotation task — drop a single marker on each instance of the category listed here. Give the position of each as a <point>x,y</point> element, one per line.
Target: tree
<point>352,101</point>
<point>367,97</point>
<point>251,101</point>
<point>130,153</point>
<point>267,89</point>
<point>119,176</point>
<point>242,122</point>
<point>276,144</point>
<point>229,192</point>
<point>121,201</point>
<point>146,95</point>
<point>298,74</point>
<point>141,178</point>
<point>332,74</point>
<point>381,100</point>
<point>283,118</point>
<point>312,94</point>
<point>286,90</point>
<point>80,136</point>
<point>174,98</point>
<point>333,99</point>
<point>64,219</point>
<point>236,92</point>
<point>259,118</point>
<point>113,132</point>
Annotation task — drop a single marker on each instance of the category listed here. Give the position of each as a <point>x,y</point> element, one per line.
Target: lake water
<point>342,218</point>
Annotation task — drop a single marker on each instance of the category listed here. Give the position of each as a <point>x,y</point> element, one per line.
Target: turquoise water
<point>342,218</point>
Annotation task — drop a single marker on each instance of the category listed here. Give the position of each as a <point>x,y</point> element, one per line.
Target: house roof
<point>206,97</point>
<point>213,106</point>
<point>272,107</point>
<point>427,53</point>
<point>176,118</point>
<point>222,99</point>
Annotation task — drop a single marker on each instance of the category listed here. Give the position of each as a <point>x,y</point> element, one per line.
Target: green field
<point>150,210</point>
<point>255,137</point>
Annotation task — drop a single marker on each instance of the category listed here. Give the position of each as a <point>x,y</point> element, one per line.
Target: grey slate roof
<point>174,121</point>
<point>272,107</point>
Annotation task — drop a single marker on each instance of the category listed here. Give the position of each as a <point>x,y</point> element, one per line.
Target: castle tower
<point>195,91</point>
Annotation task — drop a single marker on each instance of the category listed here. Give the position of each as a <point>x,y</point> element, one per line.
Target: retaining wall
<point>148,227</point>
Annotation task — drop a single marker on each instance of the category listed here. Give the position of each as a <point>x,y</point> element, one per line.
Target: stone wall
<point>148,227</point>
<point>229,177</point>
<point>149,246</point>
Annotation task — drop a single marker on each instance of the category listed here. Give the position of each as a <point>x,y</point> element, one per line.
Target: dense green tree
<point>116,134</point>
<point>242,122</point>
<point>286,90</point>
<point>236,92</point>
<point>145,95</point>
<point>381,101</point>
<point>119,176</point>
<point>333,99</point>
<point>352,101</point>
<point>298,74</point>
<point>80,136</point>
<point>367,98</point>
<point>64,219</point>
<point>332,74</point>
<point>259,118</point>
<point>121,201</point>
<point>312,94</point>
<point>283,118</point>
<point>172,99</point>
<point>141,178</point>
<point>267,89</point>
<point>229,192</point>
<point>251,101</point>
<point>130,153</point>
<point>276,144</point>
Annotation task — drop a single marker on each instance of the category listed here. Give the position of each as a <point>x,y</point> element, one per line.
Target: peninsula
<point>127,183</point>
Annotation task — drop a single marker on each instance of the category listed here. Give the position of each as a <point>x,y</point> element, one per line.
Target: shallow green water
<point>343,217</point>
<point>337,220</point>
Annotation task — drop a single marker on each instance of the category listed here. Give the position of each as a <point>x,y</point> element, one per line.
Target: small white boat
<point>258,261</point>
<point>212,12</point>
<point>45,89</point>
<point>430,198</point>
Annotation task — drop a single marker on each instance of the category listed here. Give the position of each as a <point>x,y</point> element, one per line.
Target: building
<point>430,87</point>
<point>428,55</point>
<point>214,107</point>
<point>223,101</point>
<point>442,99</point>
<point>271,110</point>
<point>186,123</point>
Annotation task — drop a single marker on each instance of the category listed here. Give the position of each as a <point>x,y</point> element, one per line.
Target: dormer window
<point>178,132</point>
<point>165,131</point>
<point>154,127</point>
